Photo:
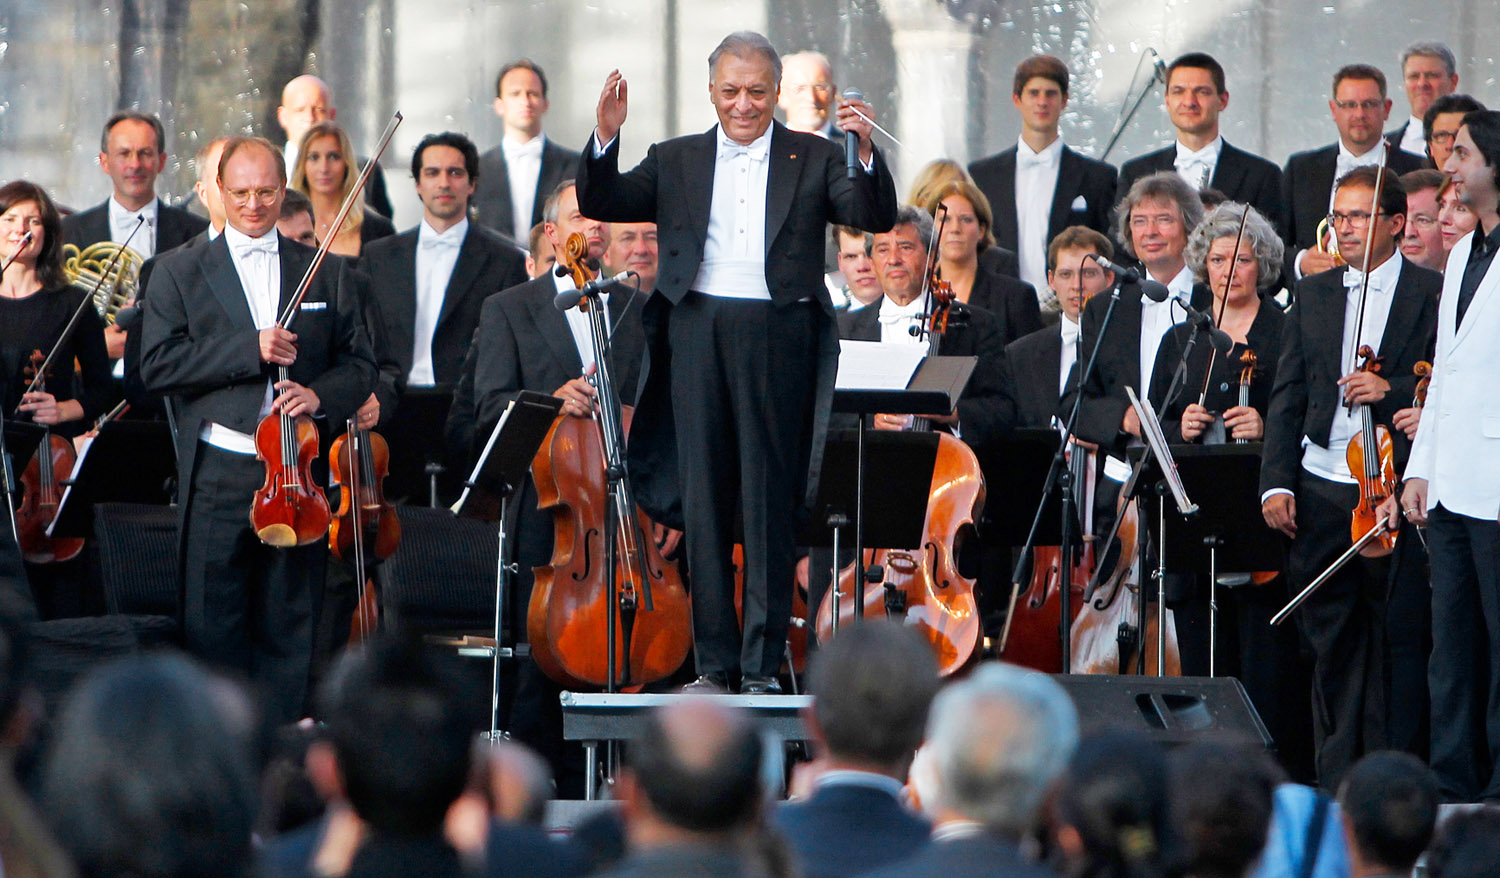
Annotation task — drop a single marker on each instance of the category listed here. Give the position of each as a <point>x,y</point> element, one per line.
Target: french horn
<point>84,268</point>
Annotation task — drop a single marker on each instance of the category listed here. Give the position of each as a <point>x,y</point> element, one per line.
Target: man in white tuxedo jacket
<point>1453,484</point>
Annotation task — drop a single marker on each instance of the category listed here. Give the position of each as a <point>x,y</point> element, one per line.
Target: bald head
<point>305,101</point>
<point>697,767</point>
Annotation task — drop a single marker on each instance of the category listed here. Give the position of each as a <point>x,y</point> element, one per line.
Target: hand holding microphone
<point>856,119</point>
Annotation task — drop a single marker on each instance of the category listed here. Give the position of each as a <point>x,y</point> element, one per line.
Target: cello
<point>608,611</point>
<point>42,481</point>
<point>365,523</point>
<point>923,586</point>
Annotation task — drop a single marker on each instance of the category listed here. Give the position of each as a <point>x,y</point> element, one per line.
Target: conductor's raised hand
<point>612,105</point>
<point>851,122</point>
<point>278,346</point>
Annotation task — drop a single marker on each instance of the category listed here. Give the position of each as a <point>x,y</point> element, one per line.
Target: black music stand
<point>934,389</point>
<point>415,437</point>
<point>18,442</point>
<point>127,462</point>
<point>1020,462</point>
<point>504,462</point>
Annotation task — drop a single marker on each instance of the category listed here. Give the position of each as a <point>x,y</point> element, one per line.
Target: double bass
<point>592,623</point>
<point>923,585</point>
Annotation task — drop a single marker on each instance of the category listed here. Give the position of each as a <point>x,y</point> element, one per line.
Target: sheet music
<point>489,444</point>
<point>1152,433</point>
<point>83,451</point>
<point>874,365</point>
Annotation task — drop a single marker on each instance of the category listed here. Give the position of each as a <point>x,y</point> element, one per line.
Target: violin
<point>587,618</point>
<point>1247,375</point>
<point>1423,370</point>
<point>42,483</point>
<point>365,522</point>
<point>923,586</point>
<point>1371,459</point>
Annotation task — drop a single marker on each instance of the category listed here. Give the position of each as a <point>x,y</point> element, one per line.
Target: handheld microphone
<point>851,142</point>
<point>569,298</point>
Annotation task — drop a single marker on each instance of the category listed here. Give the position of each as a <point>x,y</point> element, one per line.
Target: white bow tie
<point>1354,278</point>
<point>728,149</point>
<point>891,313</point>
<point>530,149</point>
<point>264,244</point>
<point>1070,331</point>
<point>1028,159</point>
<point>444,240</point>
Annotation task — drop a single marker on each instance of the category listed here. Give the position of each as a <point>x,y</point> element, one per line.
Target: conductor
<point>741,341</point>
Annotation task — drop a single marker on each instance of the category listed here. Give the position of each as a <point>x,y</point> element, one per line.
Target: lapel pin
<point>794,155</point>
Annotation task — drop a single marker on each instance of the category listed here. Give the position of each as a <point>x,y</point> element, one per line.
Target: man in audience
<point>516,177</point>
<point>871,688</point>
<point>1222,800</point>
<point>1441,125</point>
<point>996,743</point>
<point>26,843</point>
<point>808,94</point>
<point>632,247</point>
<point>690,792</point>
<point>306,101</point>
<point>1389,803</point>
<point>1428,71</point>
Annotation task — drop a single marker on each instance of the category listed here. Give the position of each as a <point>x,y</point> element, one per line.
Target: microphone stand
<point>1120,126</point>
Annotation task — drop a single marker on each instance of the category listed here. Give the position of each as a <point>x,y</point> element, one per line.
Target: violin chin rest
<point>282,536</point>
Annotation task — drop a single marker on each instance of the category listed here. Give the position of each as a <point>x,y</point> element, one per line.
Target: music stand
<point>415,439</point>
<point>1020,462</point>
<point>933,389</point>
<point>18,441</point>
<point>127,462</point>
<point>504,462</point>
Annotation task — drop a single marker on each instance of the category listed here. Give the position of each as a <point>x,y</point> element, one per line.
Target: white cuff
<point>599,150</point>
<point>1274,491</point>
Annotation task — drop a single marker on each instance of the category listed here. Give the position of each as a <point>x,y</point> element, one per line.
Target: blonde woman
<point>325,172</point>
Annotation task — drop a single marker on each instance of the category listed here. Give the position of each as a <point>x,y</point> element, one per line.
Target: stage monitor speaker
<point>1173,710</point>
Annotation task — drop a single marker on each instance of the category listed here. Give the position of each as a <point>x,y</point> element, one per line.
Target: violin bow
<point>932,245</point>
<point>1364,285</point>
<point>1234,264</point>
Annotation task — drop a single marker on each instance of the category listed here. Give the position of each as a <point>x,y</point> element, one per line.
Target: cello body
<point>1107,626</point>
<point>49,468</point>
<point>929,592</point>
<point>567,616</point>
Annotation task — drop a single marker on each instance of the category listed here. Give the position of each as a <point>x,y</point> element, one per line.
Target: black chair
<point>442,577</point>
<point>137,547</point>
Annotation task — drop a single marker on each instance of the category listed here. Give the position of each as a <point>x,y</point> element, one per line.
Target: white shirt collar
<point>1207,155</point>
<point>1374,155</point>
<point>756,149</point>
<point>953,830</point>
<point>1050,155</point>
<point>890,312</point>
<point>852,778</point>
<point>239,242</point>
<point>454,236</point>
<point>1385,276</point>
<point>515,147</point>
<point>1070,329</point>
<point>1180,286</point>
<point>564,282</point>
<point>121,212</point>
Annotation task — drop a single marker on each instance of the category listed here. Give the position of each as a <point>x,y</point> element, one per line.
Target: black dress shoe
<point>707,684</point>
<point>753,685</point>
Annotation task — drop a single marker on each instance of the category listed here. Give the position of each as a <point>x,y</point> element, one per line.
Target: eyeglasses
<point>1357,220</point>
<point>266,197</point>
<point>1442,137</point>
<point>1369,106</point>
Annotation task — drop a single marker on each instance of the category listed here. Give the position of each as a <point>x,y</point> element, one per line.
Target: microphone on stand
<point>851,142</point>
<point>1158,292</point>
<point>1160,67</point>
<point>569,298</point>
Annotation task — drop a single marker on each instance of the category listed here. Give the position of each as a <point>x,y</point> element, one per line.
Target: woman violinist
<point>36,304</point>
<point>325,172</point>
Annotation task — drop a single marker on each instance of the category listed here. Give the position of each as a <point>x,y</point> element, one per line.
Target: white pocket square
<point>1079,204</point>
<point>314,306</point>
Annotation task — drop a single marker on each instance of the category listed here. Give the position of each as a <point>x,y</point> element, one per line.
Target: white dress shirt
<point>578,321</point>
<point>1070,332</point>
<point>122,222</point>
<point>1036,184</point>
<point>734,256</point>
<point>897,321</point>
<point>257,261</point>
<point>1412,139</point>
<point>523,167</point>
<point>1157,318</point>
<point>1196,167</point>
<point>1348,161</point>
<point>437,254</point>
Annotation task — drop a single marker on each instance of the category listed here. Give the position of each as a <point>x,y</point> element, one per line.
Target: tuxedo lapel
<point>781,184</point>
<point>294,263</point>
<point>1005,181</point>
<point>863,325</point>
<point>401,314</point>
<point>698,156</point>
<point>553,326</point>
<point>1321,172</point>
<point>471,261</point>
<point>1229,171</point>
<point>224,281</point>
<point>1069,176</point>
<point>1406,309</point>
<point>1327,307</point>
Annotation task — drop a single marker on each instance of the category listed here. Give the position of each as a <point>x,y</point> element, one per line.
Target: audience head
<point>206,163</point>
<point>133,151</point>
<point>1196,94</point>
<point>1350,219</point>
<point>252,183</point>
<point>1428,71</point>
<point>935,175</point>
<point>632,246</point>
<point>1073,277</point>
<point>1111,815</point>
<point>998,741</point>
<point>1454,217</point>
<point>305,101</point>
<point>1389,802</point>
<point>1211,251</point>
<point>1440,125</point>
<point>540,257</point>
<point>1467,845</point>
<point>562,218</point>
<point>520,782</point>
<point>900,255</point>
<point>1039,92</point>
<point>969,229</point>
<point>1475,162</point>
<point>26,207</point>
<point>395,723</point>
<point>1422,241</point>
<point>854,261</point>
<point>521,98</point>
<point>446,168</point>
<point>1222,798</point>
<point>296,220</point>
<point>872,686</point>
<point>151,771</point>
<point>743,83</point>
<point>1359,106</point>
<point>693,772</point>
<point>18,698</point>
<point>1154,219</point>
<point>808,94</point>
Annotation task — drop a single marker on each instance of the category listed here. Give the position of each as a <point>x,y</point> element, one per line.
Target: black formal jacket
<point>491,199</point>
<point>372,228</point>
<point>174,226</point>
<point>976,856</point>
<point>807,188</point>
<point>1304,398</point>
<point>844,830</point>
<point>141,400</point>
<point>986,411</point>
<point>1000,261</point>
<point>486,265</point>
<point>1394,137</point>
<point>1241,176</point>
<point>1035,361</point>
<point>1264,339</point>
<point>1306,183</point>
<point>1012,302</point>
<point>1119,364</point>
<point>199,344</point>
<point>1076,176</point>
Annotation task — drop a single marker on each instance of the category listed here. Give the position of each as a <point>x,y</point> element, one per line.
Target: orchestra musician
<point>307,100</point>
<point>1440,125</point>
<point>855,285</point>
<point>1422,240</point>
<point>1307,490</point>
<point>210,339</point>
<point>1453,487</point>
<point>740,335</point>
<point>516,177</point>
<point>1428,72</point>
<point>325,171</point>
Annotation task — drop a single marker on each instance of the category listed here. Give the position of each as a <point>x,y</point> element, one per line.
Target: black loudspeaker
<point>1173,710</point>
